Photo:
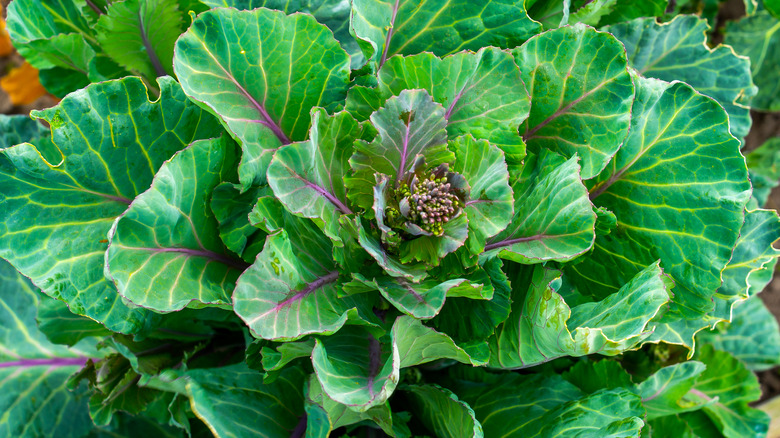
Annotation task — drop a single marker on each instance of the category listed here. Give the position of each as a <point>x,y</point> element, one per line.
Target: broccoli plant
<point>410,218</point>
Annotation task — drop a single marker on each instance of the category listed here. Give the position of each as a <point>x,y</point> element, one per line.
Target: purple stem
<point>311,287</point>
<point>509,242</point>
<point>158,67</point>
<point>300,428</point>
<point>238,264</point>
<point>389,34</point>
<point>329,196</point>
<point>54,362</point>
<point>374,351</point>
<point>94,7</point>
<point>403,153</point>
<point>454,101</point>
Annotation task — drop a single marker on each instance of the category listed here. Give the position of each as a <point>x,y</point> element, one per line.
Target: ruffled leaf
<point>543,327</point>
<point>164,252</point>
<point>261,72</point>
<point>553,217</point>
<point>581,92</point>
<point>112,140</point>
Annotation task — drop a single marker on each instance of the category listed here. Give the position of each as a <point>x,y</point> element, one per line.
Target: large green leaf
<point>308,177</point>
<point>139,35</point>
<point>539,406</point>
<point>727,387</point>
<point>482,92</point>
<point>43,31</point>
<point>626,10</point>
<point>678,50</point>
<point>678,188</point>
<point>292,288</point>
<point>663,392</point>
<point>261,72</point>
<point>470,322</point>
<point>231,209</point>
<point>489,206</point>
<point>543,327</point>
<point>442,412</point>
<point>34,398</point>
<point>421,300</point>
<point>164,252</point>
<point>18,129</point>
<point>752,261</point>
<point>332,13</point>
<point>409,124</point>
<point>758,37</point>
<point>355,368</point>
<point>581,94</point>
<point>386,27</point>
<point>112,141</point>
<point>61,326</point>
<point>341,415</point>
<point>752,336</point>
<point>418,344</point>
<point>225,398</point>
<point>553,217</point>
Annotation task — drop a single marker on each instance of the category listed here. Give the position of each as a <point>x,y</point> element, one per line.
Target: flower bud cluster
<point>431,203</point>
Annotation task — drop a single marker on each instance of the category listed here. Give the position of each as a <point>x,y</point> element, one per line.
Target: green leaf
<point>139,35</point>
<point>40,31</point>
<point>678,50</point>
<point>581,92</point>
<point>752,261</point>
<point>385,28</point>
<point>482,92</point>
<point>535,405</point>
<point>69,51</point>
<point>418,344</point>
<point>489,206</point>
<point>752,336</point>
<point>307,177</point>
<point>678,188</point>
<point>332,13</point>
<point>542,327</point>
<point>61,326</point>
<point>164,252</point>
<point>60,82</point>
<point>409,125</point>
<point>341,415</point>
<point>773,6</point>
<point>292,288</point>
<point>231,208</point>
<point>626,10</point>
<point>728,386</point>
<point>415,272</point>
<point>100,173</point>
<point>224,398</point>
<point>591,376</point>
<point>764,168</point>
<point>355,368</point>
<point>34,398</point>
<point>758,38</point>
<point>274,360</point>
<point>261,72</point>
<point>470,320</point>
<point>20,129</point>
<point>442,412</point>
<point>421,300</point>
<point>663,392</point>
<point>553,217</point>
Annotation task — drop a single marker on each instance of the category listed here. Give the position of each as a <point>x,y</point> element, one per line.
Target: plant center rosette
<point>425,187</point>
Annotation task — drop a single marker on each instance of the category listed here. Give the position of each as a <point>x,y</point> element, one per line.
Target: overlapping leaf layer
<point>343,215</point>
